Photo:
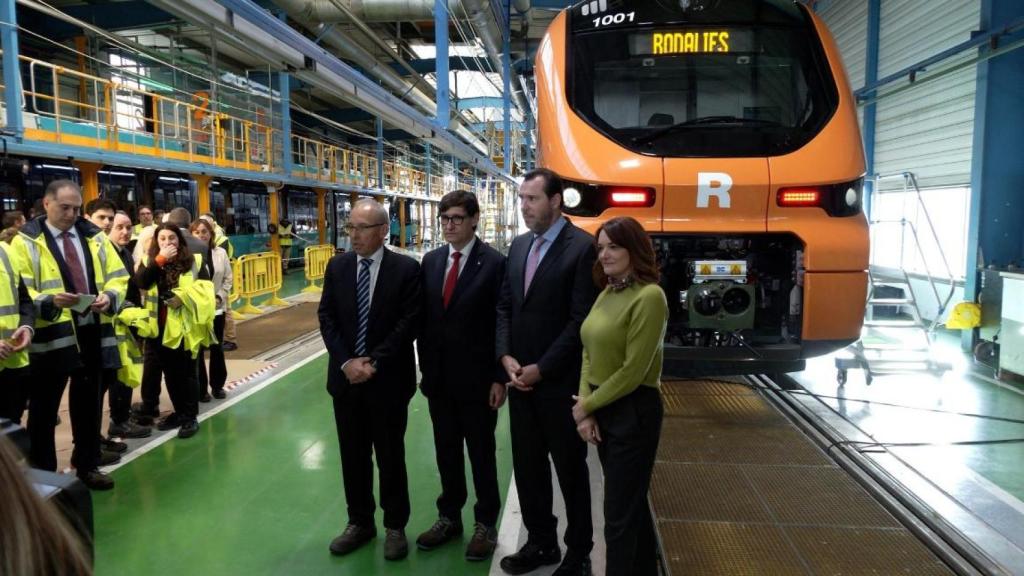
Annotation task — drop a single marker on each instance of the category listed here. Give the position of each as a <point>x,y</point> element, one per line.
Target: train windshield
<point>694,87</point>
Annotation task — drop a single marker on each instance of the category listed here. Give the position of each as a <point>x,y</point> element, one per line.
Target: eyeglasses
<point>445,219</point>
<point>350,228</point>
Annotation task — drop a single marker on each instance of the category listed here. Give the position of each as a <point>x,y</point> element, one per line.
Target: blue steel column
<point>870,77</point>
<point>506,73</point>
<point>380,153</point>
<point>284,87</point>
<point>12,70</point>
<point>997,208</point>
<point>441,62</point>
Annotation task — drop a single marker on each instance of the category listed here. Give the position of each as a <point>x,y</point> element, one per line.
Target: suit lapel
<point>556,249</point>
<point>474,261</point>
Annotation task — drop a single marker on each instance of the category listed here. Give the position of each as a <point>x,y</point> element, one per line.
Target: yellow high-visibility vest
<point>9,314</point>
<point>55,327</point>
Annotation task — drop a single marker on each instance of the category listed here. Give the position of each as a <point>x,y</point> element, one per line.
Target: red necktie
<point>74,265</point>
<point>451,279</point>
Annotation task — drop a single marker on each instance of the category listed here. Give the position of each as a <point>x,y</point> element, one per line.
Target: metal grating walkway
<point>738,490</point>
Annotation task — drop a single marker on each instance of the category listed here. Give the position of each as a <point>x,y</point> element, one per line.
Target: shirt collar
<point>465,249</point>
<point>551,234</point>
<point>57,232</point>
<point>376,256</point>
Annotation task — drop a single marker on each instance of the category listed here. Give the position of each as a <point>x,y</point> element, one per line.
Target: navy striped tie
<point>363,304</point>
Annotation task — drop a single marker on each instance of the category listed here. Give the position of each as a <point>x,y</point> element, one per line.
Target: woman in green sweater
<point>619,405</point>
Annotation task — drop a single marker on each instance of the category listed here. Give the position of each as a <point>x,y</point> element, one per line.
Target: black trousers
<point>119,397</point>
<point>630,428</point>
<point>179,371</point>
<point>218,367</point>
<point>456,422</point>
<point>151,373</point>
<point>15,386</point>
<point>85,403</point>
<point>542,426</point>
<point>370,423</point>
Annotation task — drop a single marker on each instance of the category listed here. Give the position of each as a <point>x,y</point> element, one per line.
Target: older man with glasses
<point>368,313</point>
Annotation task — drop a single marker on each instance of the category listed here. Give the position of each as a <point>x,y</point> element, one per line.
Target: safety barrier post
<point>260,275</point>
<point>316,265</point>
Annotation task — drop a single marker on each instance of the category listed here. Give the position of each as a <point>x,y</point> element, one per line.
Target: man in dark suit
<point>368,318</point>
<point>461,283</point>
<point>547,293</point>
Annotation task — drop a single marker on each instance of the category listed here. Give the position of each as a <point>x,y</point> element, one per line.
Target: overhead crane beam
<point>323,69</point>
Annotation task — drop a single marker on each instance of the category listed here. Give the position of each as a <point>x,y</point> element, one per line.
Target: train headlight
<point>571,197</point>
<point>851,197</point>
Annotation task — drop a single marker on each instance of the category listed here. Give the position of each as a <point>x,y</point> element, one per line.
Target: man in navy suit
<point>461,283</point>
<point>547,293</point>
<point>369,312</point>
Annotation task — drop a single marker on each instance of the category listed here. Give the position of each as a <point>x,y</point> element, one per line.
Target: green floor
<point>258,491</point>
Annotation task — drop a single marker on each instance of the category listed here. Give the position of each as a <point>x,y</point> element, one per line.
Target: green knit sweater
<point>622,344</point>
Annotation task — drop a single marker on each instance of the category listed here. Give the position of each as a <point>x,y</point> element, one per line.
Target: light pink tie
<point>532,262</point>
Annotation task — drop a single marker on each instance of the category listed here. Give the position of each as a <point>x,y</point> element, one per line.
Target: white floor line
<point>508,532</point>
<point>164,437</point>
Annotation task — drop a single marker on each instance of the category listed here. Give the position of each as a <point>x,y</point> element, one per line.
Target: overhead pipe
<point>421,95</point>
<point>321,13</point>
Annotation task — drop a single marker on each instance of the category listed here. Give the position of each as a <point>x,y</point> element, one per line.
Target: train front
<point>728,128</point>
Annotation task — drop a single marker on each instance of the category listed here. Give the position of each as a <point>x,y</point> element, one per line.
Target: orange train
<point>728,128</point>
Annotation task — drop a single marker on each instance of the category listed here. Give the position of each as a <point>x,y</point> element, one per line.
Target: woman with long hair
<point>222,280</point>
<point>619,404</point>
<point>169,265</point>
<point>34,537</point>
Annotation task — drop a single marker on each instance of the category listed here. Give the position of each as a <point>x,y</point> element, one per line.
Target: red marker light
<point>629,197</point>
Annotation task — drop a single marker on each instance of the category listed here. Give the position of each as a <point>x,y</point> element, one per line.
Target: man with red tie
<point>461,283</point>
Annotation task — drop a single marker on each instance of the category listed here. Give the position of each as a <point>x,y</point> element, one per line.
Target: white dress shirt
<point>466,250</point>
<point>77,239</point>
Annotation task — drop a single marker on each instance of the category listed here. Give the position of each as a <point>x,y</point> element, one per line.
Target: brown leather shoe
<point>396,546</point>
<point>352,538</point>
<point>442,531</point>
<point>483,542</point>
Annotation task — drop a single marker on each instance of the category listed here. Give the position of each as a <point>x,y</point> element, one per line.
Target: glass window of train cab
<point>251,206</point>
<point>733,80</point>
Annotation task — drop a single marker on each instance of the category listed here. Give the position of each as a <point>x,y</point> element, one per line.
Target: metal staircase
<point>901,344</point>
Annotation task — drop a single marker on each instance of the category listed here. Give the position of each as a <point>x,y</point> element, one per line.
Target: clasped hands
<point>359,370</point>
<point>521,378</point>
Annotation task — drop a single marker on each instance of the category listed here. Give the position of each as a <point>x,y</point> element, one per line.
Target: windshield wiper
<point>702,121</point>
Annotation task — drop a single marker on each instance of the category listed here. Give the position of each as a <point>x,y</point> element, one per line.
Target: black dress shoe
<point>109,445</point>
<point>573,567</point>
<point>170,422</point>
<point>107,458</point>
<point>229,346</point>
<point>219,394</point>
<point>188,428</point>
<point>205,397</point>
<point>529,558</point>
<point>352,538</point>
<point>95,480</point>
<point>128,429</point>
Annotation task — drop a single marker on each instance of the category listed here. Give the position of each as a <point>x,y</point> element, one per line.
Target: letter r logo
<point>715,184</point>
